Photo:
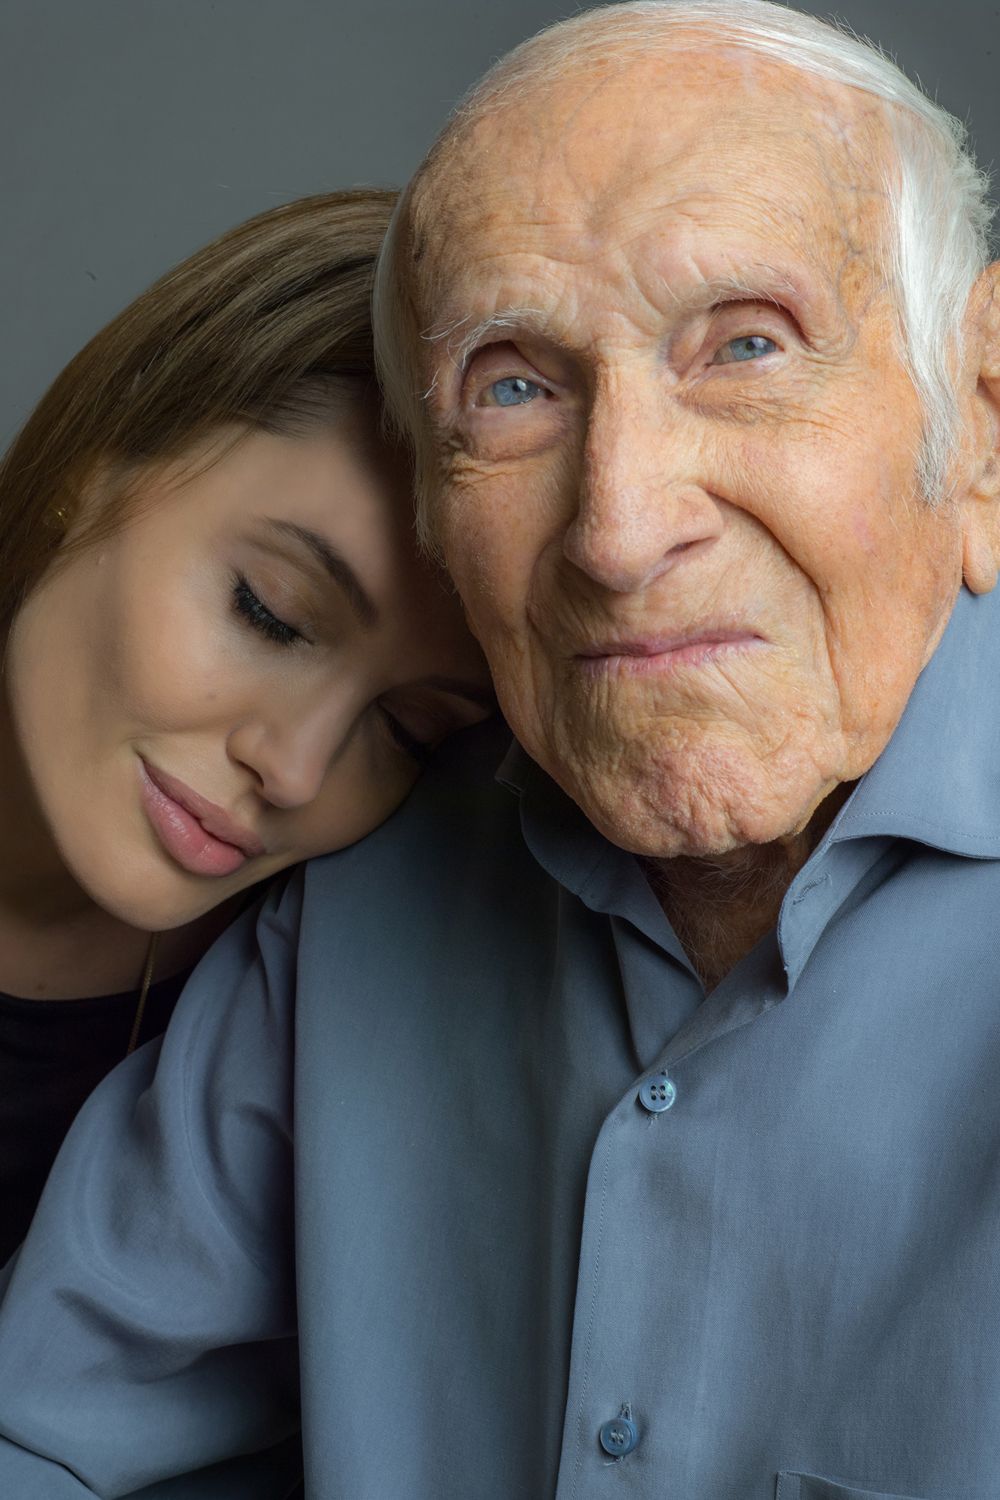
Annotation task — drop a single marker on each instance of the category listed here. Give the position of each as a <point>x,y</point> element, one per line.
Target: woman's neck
<point>96,954</point>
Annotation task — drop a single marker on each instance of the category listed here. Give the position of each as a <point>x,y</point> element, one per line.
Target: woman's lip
<point>212,818</point>
<point>195,832</point>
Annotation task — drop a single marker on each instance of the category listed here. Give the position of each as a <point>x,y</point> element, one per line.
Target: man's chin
<point>653,839</point>
<point>679,820</point>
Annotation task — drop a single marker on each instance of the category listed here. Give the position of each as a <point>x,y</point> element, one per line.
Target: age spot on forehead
<point>854,156</point>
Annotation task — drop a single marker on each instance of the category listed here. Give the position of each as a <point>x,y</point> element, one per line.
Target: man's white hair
<point>936,240</point>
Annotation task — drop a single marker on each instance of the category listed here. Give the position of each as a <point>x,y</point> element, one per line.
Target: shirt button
<point>619,1437</point>
<point>657,1093</point>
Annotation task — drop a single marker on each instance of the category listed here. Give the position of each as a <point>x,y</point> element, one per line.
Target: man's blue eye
<point>513,390</point>
<point>750,346</point>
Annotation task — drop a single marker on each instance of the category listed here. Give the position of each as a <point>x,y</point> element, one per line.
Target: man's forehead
<point>723,145</point>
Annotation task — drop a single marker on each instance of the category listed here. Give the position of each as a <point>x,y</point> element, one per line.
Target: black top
<point>52,1054</point>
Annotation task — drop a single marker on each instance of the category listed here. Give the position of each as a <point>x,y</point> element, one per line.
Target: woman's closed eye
<point>418,723</point>
<point>251,608</point>
<point>417,749</point>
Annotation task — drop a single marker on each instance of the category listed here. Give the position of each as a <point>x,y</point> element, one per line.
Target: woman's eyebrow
<point>336,566</point>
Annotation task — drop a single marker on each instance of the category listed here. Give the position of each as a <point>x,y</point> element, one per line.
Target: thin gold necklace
<point>147,979</point>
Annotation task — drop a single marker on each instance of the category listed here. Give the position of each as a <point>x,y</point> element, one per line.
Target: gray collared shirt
<point>423,1097</point>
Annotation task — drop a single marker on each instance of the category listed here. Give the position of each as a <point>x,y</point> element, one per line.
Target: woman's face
<point>247,674</point>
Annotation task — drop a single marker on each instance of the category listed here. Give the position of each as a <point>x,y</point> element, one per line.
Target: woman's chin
<point>157,900</point>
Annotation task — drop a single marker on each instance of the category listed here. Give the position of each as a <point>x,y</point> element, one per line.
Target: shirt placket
<point>642,1284</point>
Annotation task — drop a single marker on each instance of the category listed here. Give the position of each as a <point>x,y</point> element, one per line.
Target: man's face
<point>676,447</point>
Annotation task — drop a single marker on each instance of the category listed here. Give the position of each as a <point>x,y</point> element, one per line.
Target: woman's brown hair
<point>268,327</point>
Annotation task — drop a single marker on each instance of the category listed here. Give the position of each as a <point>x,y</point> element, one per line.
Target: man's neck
<point>720,906</point>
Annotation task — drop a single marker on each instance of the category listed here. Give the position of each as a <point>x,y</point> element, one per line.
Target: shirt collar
<point>937,782</point>
<point>567,845</point>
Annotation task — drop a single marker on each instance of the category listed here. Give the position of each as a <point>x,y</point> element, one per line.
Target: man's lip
<point>212,818</point>
<point>665,645</point>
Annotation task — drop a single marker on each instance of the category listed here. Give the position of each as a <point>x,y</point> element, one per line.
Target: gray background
<point>135,130</point>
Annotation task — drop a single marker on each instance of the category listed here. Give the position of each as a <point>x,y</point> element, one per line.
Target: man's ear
<point>981,501</point>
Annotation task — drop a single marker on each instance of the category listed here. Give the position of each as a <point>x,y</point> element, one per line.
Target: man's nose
<point>290,753</point>
<point>640,505</point>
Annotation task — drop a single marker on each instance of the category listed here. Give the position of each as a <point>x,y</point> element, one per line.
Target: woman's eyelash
<point>417,749</point>
<point>256,613</point>
<point>252,609</point>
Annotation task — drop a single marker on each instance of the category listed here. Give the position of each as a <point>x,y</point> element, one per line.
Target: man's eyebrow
<point>805,292</point>
<point>335,565</point>
<point>460,339</point>
<point>757,283</point>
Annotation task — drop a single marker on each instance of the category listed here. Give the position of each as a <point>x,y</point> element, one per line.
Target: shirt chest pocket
<point>811,1487</point>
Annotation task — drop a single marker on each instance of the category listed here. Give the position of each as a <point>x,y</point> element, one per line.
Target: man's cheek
<point>528,499</point>
<point>487,558</point>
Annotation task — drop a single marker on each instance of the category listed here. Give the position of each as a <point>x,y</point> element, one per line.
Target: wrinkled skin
<point>649,484</point>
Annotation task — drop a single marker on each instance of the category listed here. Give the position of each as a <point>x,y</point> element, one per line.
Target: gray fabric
<point>792,1272</point>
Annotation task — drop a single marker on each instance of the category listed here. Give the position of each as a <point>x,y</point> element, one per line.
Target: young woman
<point>223,652</point>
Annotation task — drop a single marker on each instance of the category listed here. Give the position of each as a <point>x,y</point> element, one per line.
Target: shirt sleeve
<point>148,1323</point>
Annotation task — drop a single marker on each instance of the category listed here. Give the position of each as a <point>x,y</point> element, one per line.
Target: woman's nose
<point>291,756</point>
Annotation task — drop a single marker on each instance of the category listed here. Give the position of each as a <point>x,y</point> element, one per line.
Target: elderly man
<point>646,1112</point>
